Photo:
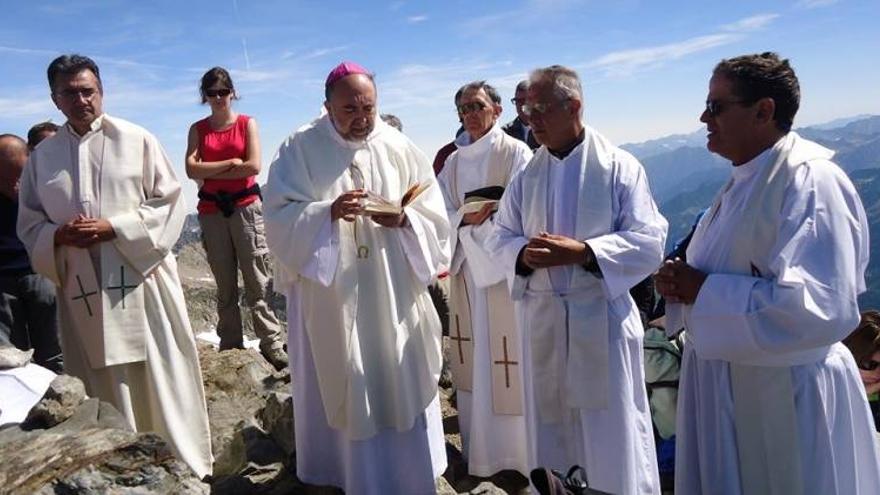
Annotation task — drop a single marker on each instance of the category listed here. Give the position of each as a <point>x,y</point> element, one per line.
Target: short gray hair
<point>392,120</point>
<point>490,90</point>
<point>565,81</point>
<point>522,85</point>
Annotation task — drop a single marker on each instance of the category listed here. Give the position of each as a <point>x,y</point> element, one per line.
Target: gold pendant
<point>363,252</point>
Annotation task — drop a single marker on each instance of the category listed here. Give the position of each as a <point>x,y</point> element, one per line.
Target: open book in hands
<point>478,198</point>
<point>375,204</point>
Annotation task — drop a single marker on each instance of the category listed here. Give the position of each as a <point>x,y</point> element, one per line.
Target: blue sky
<point>645,64</point>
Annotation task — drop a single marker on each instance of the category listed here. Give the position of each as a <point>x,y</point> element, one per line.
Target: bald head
<point>13,157</point>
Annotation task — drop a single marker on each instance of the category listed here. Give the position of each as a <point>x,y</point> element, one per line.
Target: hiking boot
<point>276,357</point>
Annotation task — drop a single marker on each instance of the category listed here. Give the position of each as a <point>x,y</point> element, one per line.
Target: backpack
<point>662,358</point>
<point>662,367</point>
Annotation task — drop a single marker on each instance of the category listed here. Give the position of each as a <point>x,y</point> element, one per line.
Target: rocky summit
<point>74,444</point>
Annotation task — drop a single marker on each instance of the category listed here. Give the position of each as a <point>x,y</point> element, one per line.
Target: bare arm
<point>251,165</point>
<point>196,168</point>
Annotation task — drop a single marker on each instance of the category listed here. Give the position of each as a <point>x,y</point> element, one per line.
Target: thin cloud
<point>317,53</point>
<point>69,8</point>
<point>135,97</point>
<point>554,4</point>
<point>487,23</point>
<point>531,12</point>
<point>244,48</point>
<point>815,4</point>
<point>27,51</point>
<point>100,60</point>
<point>12,108</point>
<point>414,19</point>
<point>131,64</point>
<point>258,76</point>
<point>625,63</point>
<point>247,58</point>
<point>752,23</point>
<point>432,86</point>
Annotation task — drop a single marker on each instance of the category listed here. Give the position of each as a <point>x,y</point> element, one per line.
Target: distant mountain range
<point>685,177</point>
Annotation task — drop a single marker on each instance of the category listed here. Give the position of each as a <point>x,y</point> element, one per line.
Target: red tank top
<point>215,146</point>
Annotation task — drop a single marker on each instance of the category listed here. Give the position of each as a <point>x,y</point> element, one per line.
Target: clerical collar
<point>466,147</point>
<point>94,126</point>
<point>564,152</point>
<point>764,158</point>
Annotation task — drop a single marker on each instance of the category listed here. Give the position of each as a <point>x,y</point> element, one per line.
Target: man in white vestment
<point>99,210</point>
<point>485,356</point>
<point>770,401</point>
<point>575,231</point>
<point>364,337</point>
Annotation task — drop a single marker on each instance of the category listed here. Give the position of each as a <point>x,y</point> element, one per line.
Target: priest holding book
<point>364,338</point>
<point>485,356</point>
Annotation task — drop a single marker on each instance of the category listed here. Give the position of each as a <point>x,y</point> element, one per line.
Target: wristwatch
<point>591,264</point>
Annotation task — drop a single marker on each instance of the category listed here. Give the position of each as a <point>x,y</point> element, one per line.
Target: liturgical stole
<point>582,307</point>
<point>764,407</point>
<point>106,303</point>
<point>504,346</point>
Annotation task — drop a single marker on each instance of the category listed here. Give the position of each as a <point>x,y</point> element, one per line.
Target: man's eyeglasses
<point>518,101</point>
<point>715,107</point>
<point>214,93</point>
<point>539,108</point>
<point>474,106</point>
<point>868,365</point>
<point>73,94</point>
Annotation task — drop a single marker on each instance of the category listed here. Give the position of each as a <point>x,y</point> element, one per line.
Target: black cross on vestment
<point>460,339</point>
<point>506,363</point>
<point>121,287</point>
<point>84,295</point>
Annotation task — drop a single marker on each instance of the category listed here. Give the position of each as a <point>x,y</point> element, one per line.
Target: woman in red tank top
<point>223,156</point>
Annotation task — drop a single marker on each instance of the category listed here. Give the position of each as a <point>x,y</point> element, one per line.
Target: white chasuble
<point>125,330</point>
<point>374,334</point>
<point>584,382</point>
<point>492,160</point>
<point>366,394</point>
<point>768,394</point>
<point>102,291</point>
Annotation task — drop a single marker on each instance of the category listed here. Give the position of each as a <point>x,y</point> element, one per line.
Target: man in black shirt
<point>519,127</point>
<point>27,300</point>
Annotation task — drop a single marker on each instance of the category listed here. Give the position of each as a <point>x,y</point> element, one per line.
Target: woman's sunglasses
<point>868,365</point>
<point>214,93</point>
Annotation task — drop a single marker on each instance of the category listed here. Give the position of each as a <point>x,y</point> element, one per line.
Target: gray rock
<point>445,380</point>
<point>13,433</point>
<point>443,487</point>
<point>249,445</point>
<point>93,413</point>
<point>59,403</point>
<point>94,461</point>
<point>238,384</point>
<point>487,488</point>
<point>276,417</point>
<point>13,357</point>
<point>271,479</point>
